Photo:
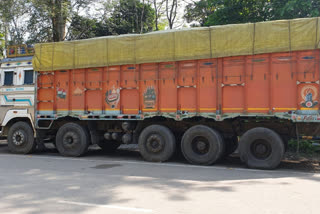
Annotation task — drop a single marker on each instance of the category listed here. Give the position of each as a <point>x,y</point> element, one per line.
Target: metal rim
<point>200,145</point>
<point>70,140</point>
<point>18,138</point>
<point>155,143</point>
<point>261,149</point>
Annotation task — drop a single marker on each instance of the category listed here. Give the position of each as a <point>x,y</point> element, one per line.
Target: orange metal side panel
<point>62,90</point>
<point>93,92</point>
<point>78,91</point>
<point>257,84</point>
<point>308,80</point>
<point>168,87</point>
<point>265,84</point>
<point>45,94</point>
<point>308,66</point>
<point>111,91</point>
<point>207,83</point>
<point>130,89</point>
<point>149,87</point>
<point>187,84</point>
<point>233,84</point>
<point>284,82</point>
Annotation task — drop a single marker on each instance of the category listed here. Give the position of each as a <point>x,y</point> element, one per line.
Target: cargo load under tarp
<point>176,45</point>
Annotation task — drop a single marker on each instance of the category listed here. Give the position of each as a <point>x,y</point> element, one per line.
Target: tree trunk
<point>59,19</point>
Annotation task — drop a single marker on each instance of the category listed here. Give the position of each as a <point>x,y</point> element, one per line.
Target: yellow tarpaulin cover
<point>175,45</point>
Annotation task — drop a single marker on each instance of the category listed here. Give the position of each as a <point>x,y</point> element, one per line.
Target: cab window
<point>8,78</point>
<point>28,77</point>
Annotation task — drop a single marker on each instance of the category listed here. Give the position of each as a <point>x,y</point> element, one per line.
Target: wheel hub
<point>261,149</point>
<point>155,143</point>
<point>70,139</point>
<point>200,145</point>
<point>18,138</point>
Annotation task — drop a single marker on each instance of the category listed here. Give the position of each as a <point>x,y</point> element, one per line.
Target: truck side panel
<point>266,84</point>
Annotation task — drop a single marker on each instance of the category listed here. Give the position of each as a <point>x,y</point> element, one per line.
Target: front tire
<point>72,140</point>
<point>261,148</point>
<point>21,138</point>
<point>202,145</point>
<point>157,143</point>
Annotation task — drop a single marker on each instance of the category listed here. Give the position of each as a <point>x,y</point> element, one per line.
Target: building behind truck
<point>17,92</point>
<point>196,90</point>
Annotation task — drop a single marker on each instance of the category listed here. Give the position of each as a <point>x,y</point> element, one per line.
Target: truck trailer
<point>198,90</point>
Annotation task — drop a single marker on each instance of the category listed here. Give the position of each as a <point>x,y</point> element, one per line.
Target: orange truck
<point>198,90</point>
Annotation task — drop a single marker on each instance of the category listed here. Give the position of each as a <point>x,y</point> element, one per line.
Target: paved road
<point>123,183</point>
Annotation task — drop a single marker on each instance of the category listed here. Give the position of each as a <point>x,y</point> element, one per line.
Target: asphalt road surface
<point>124,183</point>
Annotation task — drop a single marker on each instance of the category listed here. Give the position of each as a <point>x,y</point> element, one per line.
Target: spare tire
<point>261,148</point>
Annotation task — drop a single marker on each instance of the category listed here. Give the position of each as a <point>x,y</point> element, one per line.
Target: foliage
<point>12,16</point>
<point>35,21</point>
<point>288,9</point>
<point>158,11</point>
<point>120,17</point>
<point>199,11</point>
<point>305,146</point>
<point>83,28</point>
<point>218,12</point>
<point>1,44</point>
<point>131,16</point>
<point>49,18</point>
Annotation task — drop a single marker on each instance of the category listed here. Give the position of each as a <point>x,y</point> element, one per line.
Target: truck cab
<point>17,89</point>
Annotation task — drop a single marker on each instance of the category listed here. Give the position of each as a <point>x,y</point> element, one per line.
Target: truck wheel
<point>157,143</point>
<point>231,145</point>
<point>21,138</point>
<point>72,140</point>
<point>261,148</point>
<point>109,146</point>
<point>202,145</point>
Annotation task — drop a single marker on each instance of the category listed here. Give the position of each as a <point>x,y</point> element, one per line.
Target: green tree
<point>119,17</point>
<point>288,9</point>
<point>131,16</point>
<point>83,28</point>
<point>218,12</point>
<point>13,15</point>
<point>49,18</point>
<point>199,11</point>
<point>1,44</point>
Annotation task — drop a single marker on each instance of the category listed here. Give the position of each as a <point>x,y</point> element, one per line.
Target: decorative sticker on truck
<point>150,98</point>
<point>309,96</point>
<point>61,93</point>
<point>78,92</point>
<point>113,97</point>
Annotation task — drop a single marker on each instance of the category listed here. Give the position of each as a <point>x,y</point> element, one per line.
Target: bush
<point>305,146</point>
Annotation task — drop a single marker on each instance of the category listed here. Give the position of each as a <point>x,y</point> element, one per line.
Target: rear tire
<point>109,146</point>
<point>21,138</point>
<point>202,145</point>
<point>157,143</point>
<point>261,148</point>
<point>72,140</point>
